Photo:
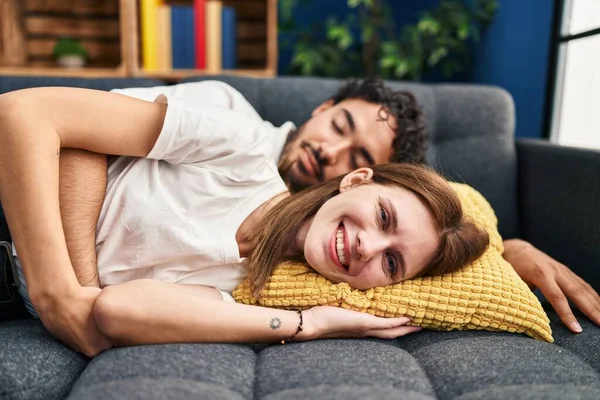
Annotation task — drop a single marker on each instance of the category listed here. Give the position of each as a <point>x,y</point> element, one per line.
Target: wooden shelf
<point>36,31</point>
<point>64,72</point>
<point>178,74</point>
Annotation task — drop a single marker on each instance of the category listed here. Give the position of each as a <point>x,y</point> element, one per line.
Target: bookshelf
<point>110,30</point>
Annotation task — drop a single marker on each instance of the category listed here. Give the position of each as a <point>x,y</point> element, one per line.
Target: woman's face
<point>369,235</point>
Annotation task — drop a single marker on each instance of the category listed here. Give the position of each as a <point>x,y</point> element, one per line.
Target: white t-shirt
<point>216,93</point>
<point>174,215</point>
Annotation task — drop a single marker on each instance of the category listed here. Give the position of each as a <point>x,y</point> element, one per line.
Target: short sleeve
<point>212,92</point>
<point>195,132</point>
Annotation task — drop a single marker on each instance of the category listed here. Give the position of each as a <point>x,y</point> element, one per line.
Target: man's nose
<point>331,153</point>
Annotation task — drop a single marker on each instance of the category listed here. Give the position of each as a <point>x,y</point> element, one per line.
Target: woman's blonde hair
<point>461,241</point>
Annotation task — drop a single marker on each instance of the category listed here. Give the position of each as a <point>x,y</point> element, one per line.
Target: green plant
<point>69,47</point>
<point>368,43</point>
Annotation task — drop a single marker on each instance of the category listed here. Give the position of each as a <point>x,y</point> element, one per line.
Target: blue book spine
<point>182,37</point>
<point>229,58</point>
<point>190,38</point>
<point>177,34</point>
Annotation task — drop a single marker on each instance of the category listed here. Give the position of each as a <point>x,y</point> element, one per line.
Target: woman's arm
<point>34,125</point>
<point>153,312</point>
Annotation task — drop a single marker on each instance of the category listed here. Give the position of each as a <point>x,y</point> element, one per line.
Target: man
<point>365,123</point>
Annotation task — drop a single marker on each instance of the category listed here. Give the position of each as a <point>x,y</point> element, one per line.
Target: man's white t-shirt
<point>174,215</point>
<point>216,93</point>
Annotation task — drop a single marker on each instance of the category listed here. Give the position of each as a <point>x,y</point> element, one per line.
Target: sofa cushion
<point>337,366</point>
<point>586,345</point>
<point>458,363</point>
<point>533,392</point>
<point>34,365</point>
<point>212,370</point>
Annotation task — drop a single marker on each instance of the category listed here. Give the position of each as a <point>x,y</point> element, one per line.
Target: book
<point>183,37</point>
<point>165,57</point>
<point>200,33</point>
<point>213,18</point>
<point>148,12</point>
<point>229,56</point>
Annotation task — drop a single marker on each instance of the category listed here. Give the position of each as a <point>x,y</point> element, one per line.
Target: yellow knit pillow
<point>487,294</point>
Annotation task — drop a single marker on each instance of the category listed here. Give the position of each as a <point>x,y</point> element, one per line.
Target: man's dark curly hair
<point>410,144</point>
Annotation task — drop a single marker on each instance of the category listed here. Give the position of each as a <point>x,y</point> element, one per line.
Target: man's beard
<point>285,164</point>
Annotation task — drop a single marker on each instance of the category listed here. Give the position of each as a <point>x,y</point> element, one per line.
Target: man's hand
<point>70,319</point>
<point>557,282</point>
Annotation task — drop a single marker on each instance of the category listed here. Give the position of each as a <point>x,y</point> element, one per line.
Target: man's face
<point>336,140</point>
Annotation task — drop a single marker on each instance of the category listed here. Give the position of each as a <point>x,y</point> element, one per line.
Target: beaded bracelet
<point>297,330</point>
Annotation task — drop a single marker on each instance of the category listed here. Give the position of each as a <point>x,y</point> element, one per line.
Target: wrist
<point>298,330</point>
<point>46,298</point>
<point>309,330</point>
<point>513,246</point>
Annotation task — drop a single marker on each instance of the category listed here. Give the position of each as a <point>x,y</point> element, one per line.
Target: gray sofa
<point>542,193</point>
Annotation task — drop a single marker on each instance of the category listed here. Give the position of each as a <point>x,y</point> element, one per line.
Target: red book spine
<point>200,33</point>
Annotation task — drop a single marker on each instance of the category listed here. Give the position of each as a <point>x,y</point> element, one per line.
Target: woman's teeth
<point>340,247</point>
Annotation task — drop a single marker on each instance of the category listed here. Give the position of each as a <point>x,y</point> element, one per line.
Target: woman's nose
<point>369,245</point>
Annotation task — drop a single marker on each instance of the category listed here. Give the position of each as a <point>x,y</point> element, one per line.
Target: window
<point>576,97</point>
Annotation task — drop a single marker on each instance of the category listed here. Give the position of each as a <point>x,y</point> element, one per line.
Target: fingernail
<point>576,327</point>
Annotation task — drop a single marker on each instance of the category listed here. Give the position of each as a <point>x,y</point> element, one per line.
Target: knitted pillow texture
<point>485,295</point>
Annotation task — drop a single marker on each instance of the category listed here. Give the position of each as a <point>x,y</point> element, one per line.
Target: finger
<point>393,332</point>
<point>556,297</point>
<point>582,294</point>
<point>372,322</point>
<point>589,304</point>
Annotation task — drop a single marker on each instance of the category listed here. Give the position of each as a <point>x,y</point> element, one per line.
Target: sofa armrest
<point>559,204</point>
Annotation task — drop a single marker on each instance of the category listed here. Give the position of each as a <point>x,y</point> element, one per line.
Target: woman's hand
<point>556,281</point>
<point>325,322</point>
<point>70,319</point>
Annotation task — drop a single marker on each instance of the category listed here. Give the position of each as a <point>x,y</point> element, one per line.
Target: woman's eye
<point>391,264</point>
<point>384,218</point>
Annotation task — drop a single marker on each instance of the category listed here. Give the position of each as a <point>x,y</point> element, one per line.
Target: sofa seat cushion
<point>458,363</point>
<point>223,371</point>
<point>586,345</point>
<point>336,365</point>
<point>426,365</point>
<point>34,365</point>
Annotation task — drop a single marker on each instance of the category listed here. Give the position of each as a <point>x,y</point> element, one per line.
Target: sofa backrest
<point>10,83</point>
<point>471,128</point>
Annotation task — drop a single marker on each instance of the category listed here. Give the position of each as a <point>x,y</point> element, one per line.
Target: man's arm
<point>82,188</point>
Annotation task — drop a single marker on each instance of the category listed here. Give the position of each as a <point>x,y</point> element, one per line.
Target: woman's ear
<point>355,178</point>
<point>322,107</point>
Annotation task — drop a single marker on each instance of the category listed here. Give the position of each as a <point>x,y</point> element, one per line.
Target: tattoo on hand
<point>275,323</point>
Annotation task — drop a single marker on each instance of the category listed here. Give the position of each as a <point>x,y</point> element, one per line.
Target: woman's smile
<point>340,248</point>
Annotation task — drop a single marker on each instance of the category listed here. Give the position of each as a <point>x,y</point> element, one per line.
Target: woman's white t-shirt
<point>174,215</point>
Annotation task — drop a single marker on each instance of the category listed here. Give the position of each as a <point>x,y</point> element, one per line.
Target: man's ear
<point>357,177</point>
<point>322,107</point>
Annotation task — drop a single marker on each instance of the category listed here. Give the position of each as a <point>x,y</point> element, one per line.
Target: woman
<point>195,205</point>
